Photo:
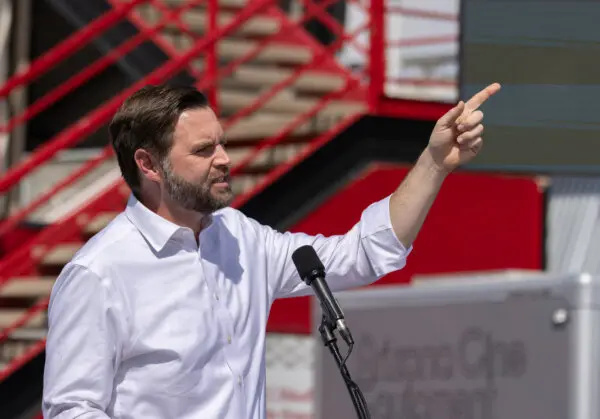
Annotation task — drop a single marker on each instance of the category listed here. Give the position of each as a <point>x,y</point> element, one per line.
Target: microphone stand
<point>326,329</point>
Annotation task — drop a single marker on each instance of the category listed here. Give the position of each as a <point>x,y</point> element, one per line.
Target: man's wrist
<point>427,162</point>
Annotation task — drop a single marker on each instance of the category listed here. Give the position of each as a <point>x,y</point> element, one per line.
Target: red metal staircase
<point>279,93</point>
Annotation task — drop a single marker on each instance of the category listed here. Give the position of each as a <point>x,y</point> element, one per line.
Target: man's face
<point>196,170</point>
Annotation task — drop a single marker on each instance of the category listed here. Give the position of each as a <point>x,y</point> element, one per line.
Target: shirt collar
<point>155,229</point>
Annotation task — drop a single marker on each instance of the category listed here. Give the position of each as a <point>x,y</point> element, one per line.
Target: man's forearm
<point>411,202</point>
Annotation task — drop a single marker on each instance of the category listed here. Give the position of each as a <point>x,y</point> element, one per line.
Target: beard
<point>196,197</point>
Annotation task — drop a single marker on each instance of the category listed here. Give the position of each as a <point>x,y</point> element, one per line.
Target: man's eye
<point>205,149</point>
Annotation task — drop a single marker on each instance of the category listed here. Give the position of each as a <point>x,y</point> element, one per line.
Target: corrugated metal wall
<point>573,225</point>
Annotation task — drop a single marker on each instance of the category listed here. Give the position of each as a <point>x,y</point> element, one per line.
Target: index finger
<point>477,100</point>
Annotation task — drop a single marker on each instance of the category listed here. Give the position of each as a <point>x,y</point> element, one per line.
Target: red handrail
<point>12,221</point>
<point>93,69</point>
<point>68,46</point>
<point>95,119</point>
<point>21,214</point>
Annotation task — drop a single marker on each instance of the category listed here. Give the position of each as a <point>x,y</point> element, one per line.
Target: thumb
<point>450,117</point>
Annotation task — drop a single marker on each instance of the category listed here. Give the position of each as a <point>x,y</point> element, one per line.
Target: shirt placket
<point>225,321</point>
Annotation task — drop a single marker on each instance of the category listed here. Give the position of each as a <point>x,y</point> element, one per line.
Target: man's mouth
<point>222,179</point>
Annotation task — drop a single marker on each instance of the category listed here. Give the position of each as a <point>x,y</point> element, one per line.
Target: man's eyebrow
<point>205,142</point>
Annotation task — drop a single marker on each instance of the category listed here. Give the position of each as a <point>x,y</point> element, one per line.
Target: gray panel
<point>546,55</point>
<point>469,350</point>
<point>573,225</point>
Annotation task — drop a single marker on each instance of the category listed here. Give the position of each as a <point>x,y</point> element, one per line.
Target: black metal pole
<point>330,341</point>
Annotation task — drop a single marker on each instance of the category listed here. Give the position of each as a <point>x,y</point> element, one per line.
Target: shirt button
<point>229,339</point>
<point>217,297</point>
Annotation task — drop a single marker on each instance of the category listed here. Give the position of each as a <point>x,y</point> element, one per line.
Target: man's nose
<point>222,158</point>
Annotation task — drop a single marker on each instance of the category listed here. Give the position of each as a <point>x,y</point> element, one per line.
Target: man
<point>163,313</point>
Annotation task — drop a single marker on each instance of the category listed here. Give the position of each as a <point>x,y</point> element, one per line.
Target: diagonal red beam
<point>18,362</point>
<point>317,59</point>
<point>160,40</point>
<point>92,121</point>
<point>263,43</point>
<point>211,56</point>
<point>90,71</point>
<point>25,318</point>
<point>11,222</point>
<point>332,24</point>
<point>298,120</point>
<point>68,46</point>
<point>313,145</point>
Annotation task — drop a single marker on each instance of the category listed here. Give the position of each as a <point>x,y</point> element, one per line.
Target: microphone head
<point>307,263</point>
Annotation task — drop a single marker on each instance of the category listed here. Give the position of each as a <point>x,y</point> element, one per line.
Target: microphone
<point>311,270</point>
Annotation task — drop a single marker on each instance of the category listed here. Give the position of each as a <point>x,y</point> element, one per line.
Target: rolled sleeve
<point>368,251</point>
<point>383,249</point>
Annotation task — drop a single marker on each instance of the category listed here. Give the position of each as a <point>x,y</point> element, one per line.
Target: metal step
<point>243,183</point>
<point>197,22</point>
<point>8,316</point>
<point>34,334</point>
<point>261,126</point>
<point>28,287</point>
<point>99,222</point>
<point>285,101</point>
<point>231,49</point>
<point>61,254</point>
<point>313,82</point>
<point>233,4</point>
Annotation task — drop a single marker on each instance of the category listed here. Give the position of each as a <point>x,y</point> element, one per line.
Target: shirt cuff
<point>385,252</point>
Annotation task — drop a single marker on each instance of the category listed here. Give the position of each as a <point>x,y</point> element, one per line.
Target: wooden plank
<point>285,102</point>
<point>28,287</point>
<point>61,254</point>
<point>99,222</point>
<point>233,48</point>
<point>234,4</point>
<point>261,76</point>
<point>264,125</point>
<point>268,158</point>
<point>34,334</point>
<point>273,53</point>
<point>197,21</point>
<point>245,182</point>
<point>8,316</point>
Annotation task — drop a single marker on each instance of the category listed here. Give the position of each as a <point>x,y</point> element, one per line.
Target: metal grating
<point>573,225</point>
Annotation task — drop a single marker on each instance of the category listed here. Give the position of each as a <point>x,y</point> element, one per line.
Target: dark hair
<point>147,120</point>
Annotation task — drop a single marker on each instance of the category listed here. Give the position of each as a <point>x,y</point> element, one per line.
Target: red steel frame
<point>28,255</point>
<point>379,104</point>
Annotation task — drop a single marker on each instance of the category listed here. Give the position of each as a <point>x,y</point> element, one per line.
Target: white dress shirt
<point>144,323</point>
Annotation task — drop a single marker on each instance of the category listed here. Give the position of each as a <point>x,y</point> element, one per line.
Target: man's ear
<point>147,165</point>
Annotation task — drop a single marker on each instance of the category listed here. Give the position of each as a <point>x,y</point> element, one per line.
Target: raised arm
<point>380,242</point>
<point>456,139</point>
